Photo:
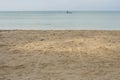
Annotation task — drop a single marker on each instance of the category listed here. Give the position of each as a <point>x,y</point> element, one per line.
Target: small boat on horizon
<point>68,12</point>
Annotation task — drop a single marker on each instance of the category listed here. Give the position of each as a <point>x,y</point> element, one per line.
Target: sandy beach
<point>59,55</point>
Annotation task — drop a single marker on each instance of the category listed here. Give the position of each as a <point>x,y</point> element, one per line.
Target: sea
<point>59,20</point>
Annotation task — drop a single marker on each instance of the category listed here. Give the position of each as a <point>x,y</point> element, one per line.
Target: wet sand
<point>59,55</point>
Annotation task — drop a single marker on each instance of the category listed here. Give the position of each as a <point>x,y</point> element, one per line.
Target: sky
<point>44,5</point>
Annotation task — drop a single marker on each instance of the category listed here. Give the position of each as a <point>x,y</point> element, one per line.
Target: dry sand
<point>59,55</point>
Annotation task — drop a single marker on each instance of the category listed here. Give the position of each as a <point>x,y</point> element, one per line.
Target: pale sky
<point>41,5</point>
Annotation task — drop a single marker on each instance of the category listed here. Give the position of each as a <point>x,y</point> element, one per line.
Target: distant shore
<point>59,54</point>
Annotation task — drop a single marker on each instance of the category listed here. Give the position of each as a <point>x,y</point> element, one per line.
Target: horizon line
<point>55,10</point>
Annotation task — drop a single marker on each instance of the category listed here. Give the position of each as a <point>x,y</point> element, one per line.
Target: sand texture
<point>59,55</point>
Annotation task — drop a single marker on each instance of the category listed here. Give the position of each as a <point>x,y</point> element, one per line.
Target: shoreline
<point>57,30</point>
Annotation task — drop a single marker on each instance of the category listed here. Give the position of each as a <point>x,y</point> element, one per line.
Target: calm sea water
<point>100,20</point>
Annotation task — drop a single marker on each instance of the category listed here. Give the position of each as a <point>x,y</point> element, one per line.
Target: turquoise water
<point>60,20</point>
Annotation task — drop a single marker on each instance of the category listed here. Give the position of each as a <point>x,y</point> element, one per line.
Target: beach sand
<point>59,55</point>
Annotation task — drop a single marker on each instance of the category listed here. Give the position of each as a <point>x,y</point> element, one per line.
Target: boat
<point>68,12</point>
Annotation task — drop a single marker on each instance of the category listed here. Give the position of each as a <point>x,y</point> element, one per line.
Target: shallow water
<point>100,20</point>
